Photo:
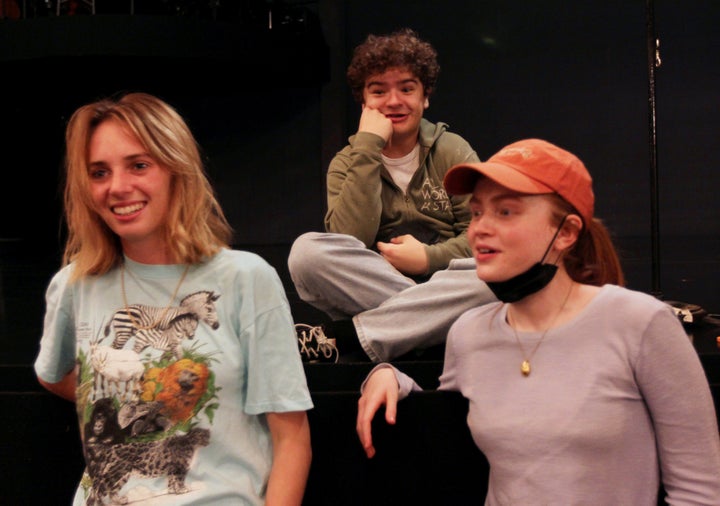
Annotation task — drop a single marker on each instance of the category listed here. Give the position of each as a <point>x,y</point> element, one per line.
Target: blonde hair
<point>196,228</point>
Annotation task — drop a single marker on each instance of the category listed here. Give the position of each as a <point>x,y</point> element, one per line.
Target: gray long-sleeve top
<point>617,399</point>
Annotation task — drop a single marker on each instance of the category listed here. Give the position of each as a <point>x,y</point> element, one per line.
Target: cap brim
<point>461,179</point>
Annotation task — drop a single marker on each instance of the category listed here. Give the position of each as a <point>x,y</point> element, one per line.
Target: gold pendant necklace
<point>525,366</point>
<point>164,312</point>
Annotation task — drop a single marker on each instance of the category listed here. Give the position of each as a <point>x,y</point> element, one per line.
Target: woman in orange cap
<point>580,391</point>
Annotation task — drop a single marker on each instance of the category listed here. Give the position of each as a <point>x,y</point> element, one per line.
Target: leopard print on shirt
<point>110,466</point>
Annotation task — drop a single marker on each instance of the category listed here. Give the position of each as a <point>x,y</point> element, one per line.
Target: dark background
<point>270,107</point>
<point>261,84</point>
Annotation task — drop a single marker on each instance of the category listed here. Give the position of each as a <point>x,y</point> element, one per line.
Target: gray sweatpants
<point>392,313</point>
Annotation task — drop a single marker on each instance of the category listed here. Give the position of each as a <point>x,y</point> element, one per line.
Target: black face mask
<point>526,283</point>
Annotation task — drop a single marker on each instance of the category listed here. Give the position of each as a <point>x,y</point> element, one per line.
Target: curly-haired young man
<point>393,269</point>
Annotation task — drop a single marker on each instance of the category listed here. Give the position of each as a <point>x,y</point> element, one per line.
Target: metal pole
<point>653,62</point>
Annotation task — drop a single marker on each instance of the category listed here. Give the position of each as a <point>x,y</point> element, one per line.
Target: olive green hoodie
<point>364,201</point>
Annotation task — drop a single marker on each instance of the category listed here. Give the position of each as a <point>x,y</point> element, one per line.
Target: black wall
<point>271,107</point>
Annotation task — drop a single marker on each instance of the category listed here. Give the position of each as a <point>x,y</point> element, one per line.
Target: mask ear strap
<point>562,222</point>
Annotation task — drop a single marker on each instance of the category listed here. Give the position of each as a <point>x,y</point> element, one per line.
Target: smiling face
<point>400,96</point>
<point>130,190</point>
<point>509,231</point>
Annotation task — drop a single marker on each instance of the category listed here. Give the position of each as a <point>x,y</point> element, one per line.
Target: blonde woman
<point>179,352</point>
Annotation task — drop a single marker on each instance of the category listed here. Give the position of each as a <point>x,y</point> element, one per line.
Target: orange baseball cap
<point>532,166</point>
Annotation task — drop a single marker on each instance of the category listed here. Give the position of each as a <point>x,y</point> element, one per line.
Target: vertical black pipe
<point>653,61</point>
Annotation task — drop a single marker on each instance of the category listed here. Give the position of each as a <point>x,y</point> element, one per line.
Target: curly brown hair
<point>400,49</point>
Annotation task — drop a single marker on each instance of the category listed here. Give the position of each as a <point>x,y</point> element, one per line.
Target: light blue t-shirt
<point>174,414</point>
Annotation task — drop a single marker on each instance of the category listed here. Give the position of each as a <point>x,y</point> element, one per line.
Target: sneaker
<point>314,345</point>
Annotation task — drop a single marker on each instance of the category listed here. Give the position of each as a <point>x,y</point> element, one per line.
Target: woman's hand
<point>380,388</point>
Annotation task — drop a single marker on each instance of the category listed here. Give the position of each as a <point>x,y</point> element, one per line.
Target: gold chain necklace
<point>164,312</point>
<point>525,366</point>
